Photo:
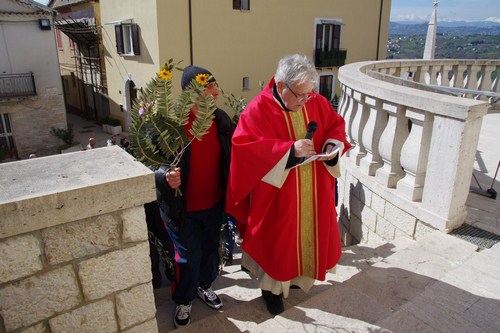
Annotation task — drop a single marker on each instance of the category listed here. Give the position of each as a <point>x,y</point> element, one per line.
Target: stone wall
<point>31,120</point>
<point>369,212</point>
<point>73,244</point>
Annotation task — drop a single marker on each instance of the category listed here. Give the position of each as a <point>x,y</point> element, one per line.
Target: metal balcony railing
<point>332,58</point>
<point>17,85</point>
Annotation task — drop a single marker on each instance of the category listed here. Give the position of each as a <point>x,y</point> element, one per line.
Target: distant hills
<point>460,28</point>
<point>454,40</point>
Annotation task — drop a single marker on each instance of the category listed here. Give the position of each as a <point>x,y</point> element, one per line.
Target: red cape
<point>290,230</point>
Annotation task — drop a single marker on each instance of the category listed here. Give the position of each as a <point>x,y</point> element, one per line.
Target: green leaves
<point>157,133</point>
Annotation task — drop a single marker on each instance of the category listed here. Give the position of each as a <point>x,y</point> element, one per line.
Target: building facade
<point>240,42</point>
<point>81,57</point>
<point>31,95</point>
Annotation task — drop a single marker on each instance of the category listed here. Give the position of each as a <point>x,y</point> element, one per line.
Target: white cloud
<point>493,19</point>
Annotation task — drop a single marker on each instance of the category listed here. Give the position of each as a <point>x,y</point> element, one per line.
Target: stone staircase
<point>437,284</point>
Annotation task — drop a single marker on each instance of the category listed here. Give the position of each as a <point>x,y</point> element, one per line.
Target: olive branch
<point>157,134</point>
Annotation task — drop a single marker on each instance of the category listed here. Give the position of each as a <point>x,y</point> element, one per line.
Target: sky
<point>448,10</point>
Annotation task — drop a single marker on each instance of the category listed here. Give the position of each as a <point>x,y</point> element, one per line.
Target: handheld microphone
<point>311,128</point>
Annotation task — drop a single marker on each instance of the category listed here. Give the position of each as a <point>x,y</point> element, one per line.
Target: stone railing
<point>73,244</point>
<point>413,145</point>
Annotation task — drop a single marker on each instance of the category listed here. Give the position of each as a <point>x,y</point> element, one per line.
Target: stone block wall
<point>370,212</point>
<point>89,273</point>
<point>31,120</point>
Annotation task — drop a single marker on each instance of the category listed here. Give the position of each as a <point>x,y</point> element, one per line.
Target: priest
<point>285,157</point>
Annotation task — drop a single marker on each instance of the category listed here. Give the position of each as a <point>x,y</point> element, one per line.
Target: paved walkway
<point>437,284</point>
<point>84,129</point>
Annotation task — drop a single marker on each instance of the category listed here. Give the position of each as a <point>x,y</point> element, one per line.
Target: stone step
<point>374,285</point>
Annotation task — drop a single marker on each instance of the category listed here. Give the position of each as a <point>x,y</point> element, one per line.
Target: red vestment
<point>290,229</point>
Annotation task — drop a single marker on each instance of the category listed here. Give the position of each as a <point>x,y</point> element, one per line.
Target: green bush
<point>64,134</point>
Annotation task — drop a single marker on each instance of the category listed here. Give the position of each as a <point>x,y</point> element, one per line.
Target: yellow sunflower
<point>165,74</point>
<point>202,79</point>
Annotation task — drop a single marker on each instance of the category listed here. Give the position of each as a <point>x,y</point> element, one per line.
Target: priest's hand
<point>304,148</point>
<point>328,149</point>
<point>173,178</point>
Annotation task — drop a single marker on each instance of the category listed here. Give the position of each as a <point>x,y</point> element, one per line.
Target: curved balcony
<point>414,126</point>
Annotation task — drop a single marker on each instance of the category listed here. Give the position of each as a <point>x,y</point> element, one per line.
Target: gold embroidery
<point>305,198</point>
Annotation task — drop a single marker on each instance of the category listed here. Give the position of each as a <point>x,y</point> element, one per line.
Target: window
<point>326,86</point>
<point>7,145</point>
<point>327,51</point>
<point>44,24</point>
<point>328,36</point>
<point>241,4</point>
<point>71,44</point>
<point>127,39</point>
<point>246,83</point>
<point>59,39</point>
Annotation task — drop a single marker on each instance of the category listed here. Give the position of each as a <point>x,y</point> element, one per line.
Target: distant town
<point>458,40</point>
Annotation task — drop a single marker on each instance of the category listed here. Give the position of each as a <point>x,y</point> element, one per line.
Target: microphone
<point>311,128</point>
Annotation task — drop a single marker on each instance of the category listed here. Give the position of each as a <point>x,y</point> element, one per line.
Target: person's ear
<point>279,86</point>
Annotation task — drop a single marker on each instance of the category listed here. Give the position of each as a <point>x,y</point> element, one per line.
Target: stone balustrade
<point>73,244</point>
<point>414,144</point>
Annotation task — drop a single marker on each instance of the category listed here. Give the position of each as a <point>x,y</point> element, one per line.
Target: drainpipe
<point>379,26</point>
<point>190,35</point>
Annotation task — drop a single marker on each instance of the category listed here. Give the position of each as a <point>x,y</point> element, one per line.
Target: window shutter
<point>135,40</point>
<point>237,4</point>
<point>119,39</point>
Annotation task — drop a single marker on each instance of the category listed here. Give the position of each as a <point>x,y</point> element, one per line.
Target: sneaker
<point>210,298</point>
<point>182,315</point>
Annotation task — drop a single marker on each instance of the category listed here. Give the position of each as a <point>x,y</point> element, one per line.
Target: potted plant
<point>112,126</point>
<point>335,101</point>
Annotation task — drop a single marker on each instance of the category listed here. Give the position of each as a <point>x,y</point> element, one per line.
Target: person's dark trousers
<point>157,227</point>
<point>197,252</point>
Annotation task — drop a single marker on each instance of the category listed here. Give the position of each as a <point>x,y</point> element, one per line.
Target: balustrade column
<point>344,104</point>
<point>471,79</point>
<point>458,77</point>
<point>372,131</point>
<point>495,86</point>
<point>358,123</point>
<point>430,74</point>
<point>417,73</point>
<point>391,142</point>
<point>443,78</point>
<point>414,155</point>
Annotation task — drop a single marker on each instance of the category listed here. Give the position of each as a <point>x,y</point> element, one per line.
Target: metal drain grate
<point>483,239</point>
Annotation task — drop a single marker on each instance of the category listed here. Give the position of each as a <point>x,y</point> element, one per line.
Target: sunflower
<point>165,74</point>
<point>202,79</point>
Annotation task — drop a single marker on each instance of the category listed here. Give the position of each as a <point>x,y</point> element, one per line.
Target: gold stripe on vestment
<point>305,202</point>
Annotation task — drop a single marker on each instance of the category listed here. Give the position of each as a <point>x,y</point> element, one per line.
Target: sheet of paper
<point>334,151</point>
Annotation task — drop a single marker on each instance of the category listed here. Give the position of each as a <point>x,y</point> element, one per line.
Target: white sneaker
<point>182,315</point>
<point>210,298</point>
